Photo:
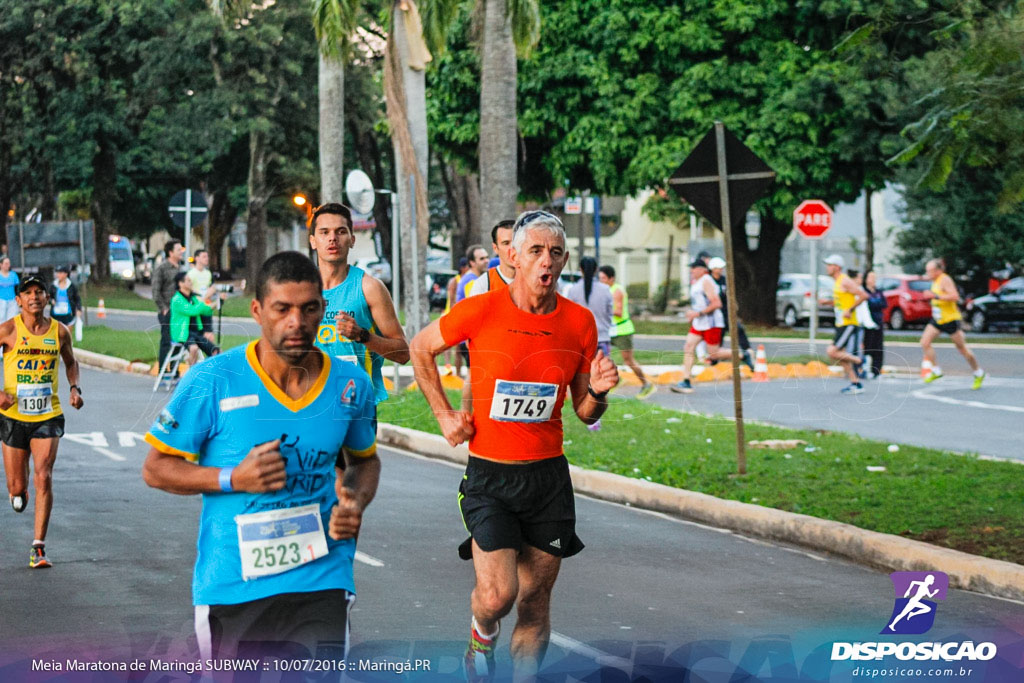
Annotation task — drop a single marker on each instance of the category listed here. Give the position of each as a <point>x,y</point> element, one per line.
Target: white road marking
<point>109,453</point>
<point>129,439</point>
<point>366,559</point>
<point>599,656</point>
<point>932,394</point>
<point>93,439</point>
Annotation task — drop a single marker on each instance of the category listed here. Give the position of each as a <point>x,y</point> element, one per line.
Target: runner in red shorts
<point>706,322</point>
<point>529,348</point>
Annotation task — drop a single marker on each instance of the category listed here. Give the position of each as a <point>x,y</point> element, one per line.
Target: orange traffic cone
<point>926,368</point>
<point>101,310</point>
<point>760,365</point>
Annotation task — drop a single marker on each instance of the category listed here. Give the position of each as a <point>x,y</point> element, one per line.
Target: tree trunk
<point>104,195</point>
<point>499,188</point>
<point>405,91</point>
<point>256,210</point>
<point>332,129</point>
<point>757,272</point>
<point>463,191</point>
<point>869,232</point>
<point>221,218</point>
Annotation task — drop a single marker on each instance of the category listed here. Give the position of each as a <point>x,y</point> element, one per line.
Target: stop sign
<point>812,218</point>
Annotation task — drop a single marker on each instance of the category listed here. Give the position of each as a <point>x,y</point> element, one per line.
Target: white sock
<point>483,635</point>
<point>979,372</point>
<point>936,370</point>
<point>38,542</point>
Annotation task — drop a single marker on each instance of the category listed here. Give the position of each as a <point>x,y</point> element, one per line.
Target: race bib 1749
<point>523,401</point>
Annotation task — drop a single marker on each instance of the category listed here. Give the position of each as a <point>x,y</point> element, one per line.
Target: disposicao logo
<point>913,613</point>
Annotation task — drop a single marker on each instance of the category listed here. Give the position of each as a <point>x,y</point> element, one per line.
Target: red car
<point>905,300</point>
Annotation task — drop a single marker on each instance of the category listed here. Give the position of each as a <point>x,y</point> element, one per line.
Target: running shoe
<point>646,390</point>
<point>852,389</point>
<point>683,387</point>
<point>932,377</point>
<point>596,427</point>
<point>862,371</point>
<point>747,360</point>
<point>479,659</point>
<point>978,379</point>
<point>18,503</point>
<point>37,560</point>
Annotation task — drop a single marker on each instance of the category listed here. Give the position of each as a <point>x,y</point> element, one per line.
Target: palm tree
<point>334,21</point>
<point>507,25</point>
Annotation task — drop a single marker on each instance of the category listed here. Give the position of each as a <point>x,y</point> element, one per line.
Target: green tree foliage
<point>960,223</point>
<point>968,103</point>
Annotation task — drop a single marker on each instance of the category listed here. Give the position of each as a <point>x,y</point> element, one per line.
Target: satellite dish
<point>359,191</point>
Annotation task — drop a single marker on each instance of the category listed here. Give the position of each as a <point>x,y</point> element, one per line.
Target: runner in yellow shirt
<point>945,318</point>
<point>32,419</point>
<point>845,346</point>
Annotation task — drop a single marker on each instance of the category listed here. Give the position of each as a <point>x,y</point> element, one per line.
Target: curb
<point>872,548</point>
<point>99,360</point>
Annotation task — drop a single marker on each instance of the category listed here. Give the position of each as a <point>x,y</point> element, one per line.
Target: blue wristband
<point>224,479</point>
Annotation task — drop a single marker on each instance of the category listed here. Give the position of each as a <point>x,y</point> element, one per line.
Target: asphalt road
<point>650,594</point>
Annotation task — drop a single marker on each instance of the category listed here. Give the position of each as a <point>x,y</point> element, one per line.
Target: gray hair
<point>536,220</point>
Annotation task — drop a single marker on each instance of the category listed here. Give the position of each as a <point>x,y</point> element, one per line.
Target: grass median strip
<point>946,499</point>
<point>133,345</point>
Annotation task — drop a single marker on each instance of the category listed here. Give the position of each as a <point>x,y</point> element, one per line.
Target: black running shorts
<point>952,327</point>
<point>289,625</point>
<point>18,434</point>
<point>847,338</point>
<point>504,506</point>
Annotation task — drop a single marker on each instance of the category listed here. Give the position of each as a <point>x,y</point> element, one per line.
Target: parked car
<point>905,300</point>
<point>793,299</point>
<point>437,289</point>
<point>1005,306</point>
<point>379,268</point>
<point>122,262</point>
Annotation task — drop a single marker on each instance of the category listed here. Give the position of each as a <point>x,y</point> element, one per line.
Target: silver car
<point>793,299</point>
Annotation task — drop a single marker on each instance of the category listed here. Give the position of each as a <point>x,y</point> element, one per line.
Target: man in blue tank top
<point>360,325</point>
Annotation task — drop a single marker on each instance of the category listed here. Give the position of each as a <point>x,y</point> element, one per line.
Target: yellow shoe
<point>978,379</point>
<point>932,377</point>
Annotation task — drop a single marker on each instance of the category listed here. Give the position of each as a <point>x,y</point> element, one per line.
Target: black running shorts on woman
<point>504,506</point>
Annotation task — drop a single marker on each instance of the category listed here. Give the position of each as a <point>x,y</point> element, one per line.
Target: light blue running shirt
<point>348,297</point>
<point>220,410</point>
<point>8,286</point>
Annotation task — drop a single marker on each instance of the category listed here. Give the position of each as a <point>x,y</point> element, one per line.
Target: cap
<point>716,262</point>
<point>62,269</point>
<point>703,255</point>
<point>463,262</point>
<point>29,281</point>
<point>836,260</point>
<point>698,263</point>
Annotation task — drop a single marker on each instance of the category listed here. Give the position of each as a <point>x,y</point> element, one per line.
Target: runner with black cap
<point>33,420</point>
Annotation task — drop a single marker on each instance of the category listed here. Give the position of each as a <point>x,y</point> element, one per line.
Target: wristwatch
<point>363,336</point>
<point>77,388</point>
<point>596,395</point>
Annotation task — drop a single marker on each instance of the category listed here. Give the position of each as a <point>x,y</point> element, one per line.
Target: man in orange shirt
<point>529,348</point>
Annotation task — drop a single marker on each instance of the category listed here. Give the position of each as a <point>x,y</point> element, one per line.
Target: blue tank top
<point>8,283</point>
<point>348,297</point>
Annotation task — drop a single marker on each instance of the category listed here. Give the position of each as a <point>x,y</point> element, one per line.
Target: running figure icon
<point>915,606</point>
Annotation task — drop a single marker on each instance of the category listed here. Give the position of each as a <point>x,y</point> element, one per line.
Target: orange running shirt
<point>521,365</point>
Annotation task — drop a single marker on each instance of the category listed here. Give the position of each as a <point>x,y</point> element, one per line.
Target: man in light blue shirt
<point>280,440</point>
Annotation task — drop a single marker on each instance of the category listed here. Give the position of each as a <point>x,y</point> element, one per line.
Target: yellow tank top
<point>943,311</point>
<point>843,300</point>
<point>30,373</point>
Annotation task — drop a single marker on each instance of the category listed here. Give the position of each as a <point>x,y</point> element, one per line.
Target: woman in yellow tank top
<point>945,319</point>
<point>32,420</point>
